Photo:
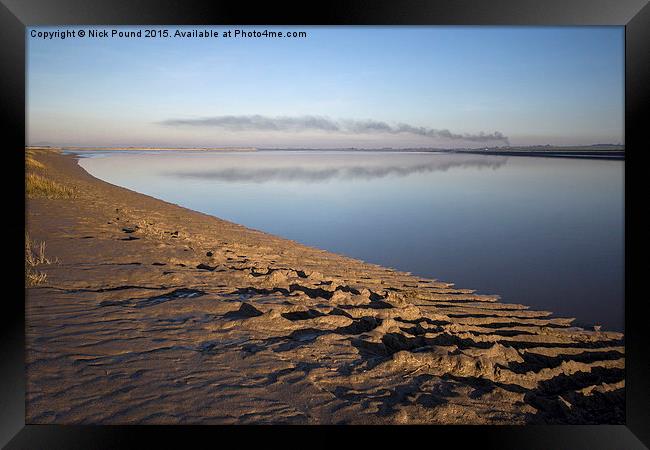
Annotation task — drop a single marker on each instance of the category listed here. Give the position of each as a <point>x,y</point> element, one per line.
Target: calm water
<point>544,232</point>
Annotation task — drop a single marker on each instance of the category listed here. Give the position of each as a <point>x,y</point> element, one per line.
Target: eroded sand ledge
<point>159,314</point>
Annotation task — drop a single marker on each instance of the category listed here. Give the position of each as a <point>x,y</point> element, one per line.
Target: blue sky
<point>338,87</point>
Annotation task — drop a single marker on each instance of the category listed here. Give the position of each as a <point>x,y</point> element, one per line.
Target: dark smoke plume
<point>318,123</point>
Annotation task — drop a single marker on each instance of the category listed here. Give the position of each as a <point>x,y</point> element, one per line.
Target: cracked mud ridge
<point>155,314</point>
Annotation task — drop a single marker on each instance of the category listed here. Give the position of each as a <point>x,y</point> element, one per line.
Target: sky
<point>365,87</point>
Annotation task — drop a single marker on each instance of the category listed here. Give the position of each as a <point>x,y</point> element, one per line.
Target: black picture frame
<point>16,15</point>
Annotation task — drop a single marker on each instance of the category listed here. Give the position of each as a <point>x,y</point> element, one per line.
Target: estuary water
<point>545,232</point>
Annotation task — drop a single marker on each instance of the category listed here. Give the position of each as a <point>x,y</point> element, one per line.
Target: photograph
<point>325,225</point>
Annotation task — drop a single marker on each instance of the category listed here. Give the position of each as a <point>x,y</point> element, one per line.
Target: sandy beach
<point>146,312</point>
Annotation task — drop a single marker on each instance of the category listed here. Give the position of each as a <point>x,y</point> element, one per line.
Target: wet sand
<point>152,313</point>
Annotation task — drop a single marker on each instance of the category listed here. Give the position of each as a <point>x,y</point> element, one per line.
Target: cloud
<point>319,123</point>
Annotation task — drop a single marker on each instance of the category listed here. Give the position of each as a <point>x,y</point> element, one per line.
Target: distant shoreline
<point>101,149</point>
<point>579,154</point>
<point>607,153</point>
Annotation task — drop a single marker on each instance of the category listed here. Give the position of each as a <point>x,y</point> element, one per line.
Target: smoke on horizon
<point>325,124</point>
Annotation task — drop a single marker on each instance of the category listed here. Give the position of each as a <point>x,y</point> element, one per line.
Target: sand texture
<point>152,313</point>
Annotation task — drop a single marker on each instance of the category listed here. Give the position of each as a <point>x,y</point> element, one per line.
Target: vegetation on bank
<point>38,184</point>
<point>34,257</point>
<point>32,164</point>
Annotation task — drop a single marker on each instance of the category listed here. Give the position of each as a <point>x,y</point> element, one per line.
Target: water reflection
<point>319,170</point>
<point>379,168</point>
<point>545,232</point>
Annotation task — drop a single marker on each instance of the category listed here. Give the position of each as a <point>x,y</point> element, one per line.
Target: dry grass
<point>34,257</point>
<point>38,186</point>
<point>34,277</point>
<point>32,164</point>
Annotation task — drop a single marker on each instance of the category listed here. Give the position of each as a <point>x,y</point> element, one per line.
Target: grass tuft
<point>34,256</point>
<point>34,277</point>
<point>32,164</point>
<point>38,186</point>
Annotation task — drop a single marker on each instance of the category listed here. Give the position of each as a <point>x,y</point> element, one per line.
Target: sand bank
<point>151,313</point>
